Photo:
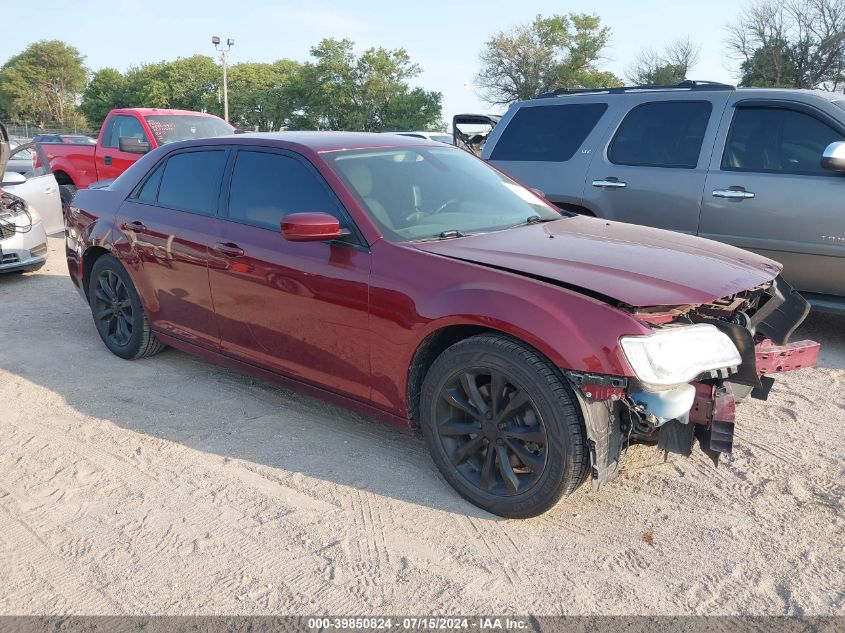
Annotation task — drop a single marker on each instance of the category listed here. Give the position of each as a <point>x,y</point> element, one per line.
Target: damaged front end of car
<point>690,372</point>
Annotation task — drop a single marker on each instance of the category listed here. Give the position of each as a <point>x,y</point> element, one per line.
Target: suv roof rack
<point>684,85</point>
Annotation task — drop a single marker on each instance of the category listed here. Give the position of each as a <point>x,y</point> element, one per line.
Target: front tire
<point>118,314</point>
<point>502,427</point>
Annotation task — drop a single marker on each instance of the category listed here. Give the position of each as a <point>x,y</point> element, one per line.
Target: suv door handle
<point>107,160</point>
<point>610,183</point>
<point>136,226</point>
<point>229,249</point>
<point>734,194</point>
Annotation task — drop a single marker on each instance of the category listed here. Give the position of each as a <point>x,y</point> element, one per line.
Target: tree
<point>664,69</point>
<point>105,91</point>
<point>790,43</point>
<point>260,96</point>
<point>42,83</point>
<point>340,91</point>
<point>560,51</point>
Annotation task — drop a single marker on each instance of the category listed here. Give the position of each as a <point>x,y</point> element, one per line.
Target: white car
<point>38,187</point>
<point>23,240</point>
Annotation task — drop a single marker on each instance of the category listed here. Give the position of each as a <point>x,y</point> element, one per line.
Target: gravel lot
<point>170,485</point>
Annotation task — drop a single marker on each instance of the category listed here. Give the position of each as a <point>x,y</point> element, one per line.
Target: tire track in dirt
<point>66,581</point>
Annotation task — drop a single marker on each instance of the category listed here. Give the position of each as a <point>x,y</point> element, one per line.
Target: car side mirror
<point>310,226</point>
<point>13,178</point>
<point>833,157</point>
<point>133,145</point>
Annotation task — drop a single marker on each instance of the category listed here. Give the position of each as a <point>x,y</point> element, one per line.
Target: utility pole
<point>223,58</point>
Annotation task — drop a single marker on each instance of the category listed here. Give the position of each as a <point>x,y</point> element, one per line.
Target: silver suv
<point>762,169</point>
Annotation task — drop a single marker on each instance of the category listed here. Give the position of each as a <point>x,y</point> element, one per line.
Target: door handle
<point>107,160</point>
<point>136,226</point>
<point>609,183</point>
<point>733,194</point>
<point>229,249</point>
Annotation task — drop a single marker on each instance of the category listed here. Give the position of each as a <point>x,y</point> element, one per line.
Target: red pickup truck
<point>126,135</point>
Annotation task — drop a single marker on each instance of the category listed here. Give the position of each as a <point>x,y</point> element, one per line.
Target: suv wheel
<point>502,426</point>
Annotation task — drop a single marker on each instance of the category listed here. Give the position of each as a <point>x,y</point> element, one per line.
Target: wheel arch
<point>437,342</point>
<point>89,258</point>
<point>62,177</point>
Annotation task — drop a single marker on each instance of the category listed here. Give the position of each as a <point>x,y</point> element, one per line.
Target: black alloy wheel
<point>118,313</point>
<point>502,426</point>
<point>112,308</point>
<point>491,431</point>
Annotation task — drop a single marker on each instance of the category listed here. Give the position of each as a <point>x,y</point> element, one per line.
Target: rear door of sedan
<point>299,308</point>
<point>168,220</point>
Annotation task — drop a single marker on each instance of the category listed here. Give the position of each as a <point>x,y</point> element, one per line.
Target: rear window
<point>661,134</point>
<point>547,133</point>
<point>191,181</point>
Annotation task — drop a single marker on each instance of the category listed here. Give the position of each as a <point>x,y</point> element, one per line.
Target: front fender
<point>414,294</point>
<point>573,331</point>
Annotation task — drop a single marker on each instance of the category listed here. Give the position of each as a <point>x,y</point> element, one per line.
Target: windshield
<point>175,127</point>
<point>428,192</point>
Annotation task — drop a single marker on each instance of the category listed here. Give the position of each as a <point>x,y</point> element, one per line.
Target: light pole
<point>223,54</point>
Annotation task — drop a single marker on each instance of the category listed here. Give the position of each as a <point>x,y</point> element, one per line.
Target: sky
<point>443,37</point>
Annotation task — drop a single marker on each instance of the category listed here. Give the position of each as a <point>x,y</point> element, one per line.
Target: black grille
<point>6,230</point>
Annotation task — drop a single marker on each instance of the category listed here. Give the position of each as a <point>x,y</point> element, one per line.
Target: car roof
<point>335,141</point>
<point>161,112</point>
<point>681,91</point>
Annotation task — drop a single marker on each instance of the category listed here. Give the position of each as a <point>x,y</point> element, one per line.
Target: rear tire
<point>502,427</point>
<point>118,314</point>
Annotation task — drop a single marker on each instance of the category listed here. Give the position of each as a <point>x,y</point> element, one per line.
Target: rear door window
<point>191,181</point>
<point>547,133</point>
<point>777,140</point>
<point>661,134</point>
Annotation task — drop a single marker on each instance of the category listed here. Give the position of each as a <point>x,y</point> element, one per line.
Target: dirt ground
<point>171,485</point>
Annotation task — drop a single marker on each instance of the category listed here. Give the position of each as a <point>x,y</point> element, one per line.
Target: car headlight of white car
<point>14,211</point>
<point>676,355</point>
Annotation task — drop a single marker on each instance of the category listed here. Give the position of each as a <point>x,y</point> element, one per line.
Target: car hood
<point>635,265</point>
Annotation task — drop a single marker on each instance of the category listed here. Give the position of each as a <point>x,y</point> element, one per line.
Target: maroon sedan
<point>413,281</point>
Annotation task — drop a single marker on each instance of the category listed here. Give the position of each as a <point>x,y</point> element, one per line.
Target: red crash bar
<point>776,359</point>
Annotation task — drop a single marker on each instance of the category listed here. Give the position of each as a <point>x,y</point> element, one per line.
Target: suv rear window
<point>661,134</point>
<point>547,133</point>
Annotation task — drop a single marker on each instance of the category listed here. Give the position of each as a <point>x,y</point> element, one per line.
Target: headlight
<point>677,355</point>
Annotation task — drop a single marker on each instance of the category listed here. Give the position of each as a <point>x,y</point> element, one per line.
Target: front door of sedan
<point>300,308</point>
<point>767,192</point>
<point>168,221</point>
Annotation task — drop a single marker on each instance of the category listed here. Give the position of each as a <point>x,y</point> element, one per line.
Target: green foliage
<point>790,44</point>
<point>105,91</point>
<point>771,65</point>
<point>42,83</point>
<point>664,69</point>
<point>561,51</point>
<point>339,91</point>
<point>336,90</point>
